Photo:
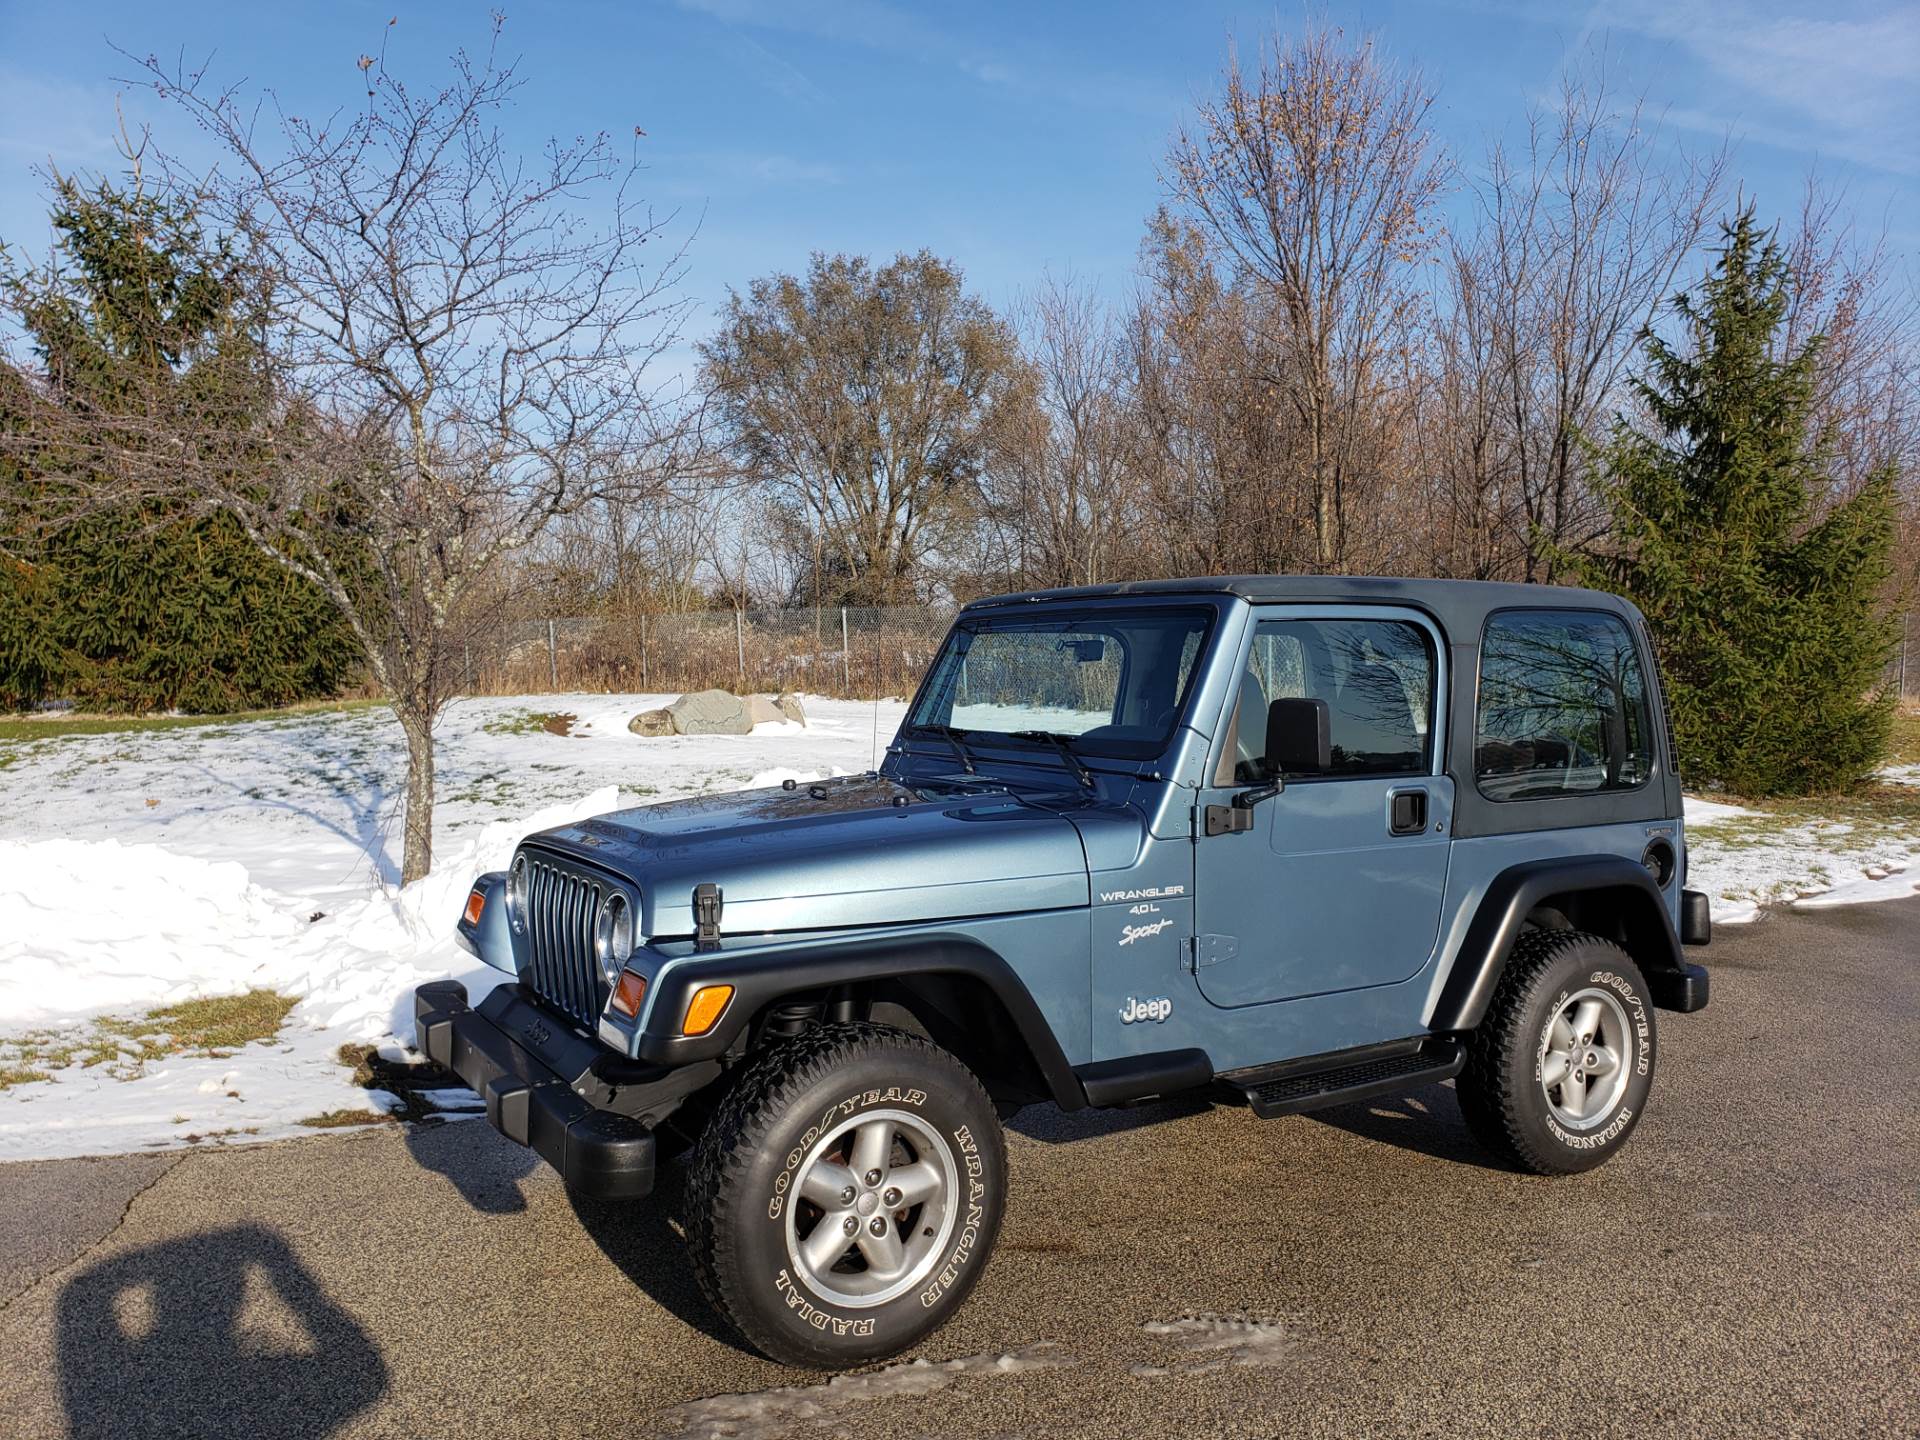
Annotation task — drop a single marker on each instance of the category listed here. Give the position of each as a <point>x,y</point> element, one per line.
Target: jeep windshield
<point>1103,682</point>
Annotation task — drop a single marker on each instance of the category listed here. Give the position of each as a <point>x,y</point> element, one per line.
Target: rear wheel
<point>1559,1071</point>
<point>845,1196</point>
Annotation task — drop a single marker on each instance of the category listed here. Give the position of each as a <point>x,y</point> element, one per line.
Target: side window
<point>1562,707</point>
<point>1374,680</point>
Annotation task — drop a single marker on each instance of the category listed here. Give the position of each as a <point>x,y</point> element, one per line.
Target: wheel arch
<point>958,992</point>
<point>1605,895</point>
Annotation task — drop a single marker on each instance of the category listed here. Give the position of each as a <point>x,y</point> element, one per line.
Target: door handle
<point>1407,812</point>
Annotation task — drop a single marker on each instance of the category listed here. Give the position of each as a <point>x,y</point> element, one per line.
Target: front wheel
<point>1559,1070</point>
<point>845,1196</point>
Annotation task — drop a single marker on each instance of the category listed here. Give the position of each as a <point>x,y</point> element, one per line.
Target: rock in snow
<point>719,712</point>
<point>710,712</point>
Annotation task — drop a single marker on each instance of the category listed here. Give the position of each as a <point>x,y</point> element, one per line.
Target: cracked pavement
<point>1749,1264</point>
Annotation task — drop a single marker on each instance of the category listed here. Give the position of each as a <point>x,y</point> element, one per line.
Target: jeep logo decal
<point>1137,1010</point>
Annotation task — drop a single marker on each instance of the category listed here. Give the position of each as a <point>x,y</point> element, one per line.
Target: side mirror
<point>1299,738</point>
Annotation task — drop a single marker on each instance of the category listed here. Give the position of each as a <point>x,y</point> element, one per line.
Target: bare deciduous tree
<point>1061,502</point>
<point>451,354</point>
<point>1315,173</point>
<point>1582,234</point>
<point>865,399</point>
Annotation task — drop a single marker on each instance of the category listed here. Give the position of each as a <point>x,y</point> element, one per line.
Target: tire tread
<point>1489,1086</point>
<point>738,1132</point>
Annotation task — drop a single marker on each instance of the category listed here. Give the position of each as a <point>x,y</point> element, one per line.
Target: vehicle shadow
<point>647,1241</point>
<point>483,1165</point>
<point>642,1237</point>
<point>1052,1126</point>
<point>1427,1122</point>
<point>219,1334</point>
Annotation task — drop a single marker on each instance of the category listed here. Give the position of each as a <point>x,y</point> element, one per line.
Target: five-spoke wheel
<point>874,1212</point>
<point>1581,1067</point>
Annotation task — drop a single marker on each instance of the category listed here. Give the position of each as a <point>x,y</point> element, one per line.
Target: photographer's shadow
<point>224,1333</point>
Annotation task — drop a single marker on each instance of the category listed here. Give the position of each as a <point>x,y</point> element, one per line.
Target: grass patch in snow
<point>216,1026</point>
<point>531,722</point>
<point>341,1119</point>
<point>1789,848</point>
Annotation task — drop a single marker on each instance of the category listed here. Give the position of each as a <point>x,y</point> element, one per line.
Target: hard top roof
<point>1459,604</point>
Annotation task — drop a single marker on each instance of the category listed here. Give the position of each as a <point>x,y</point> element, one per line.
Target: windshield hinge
<point>707,904</point>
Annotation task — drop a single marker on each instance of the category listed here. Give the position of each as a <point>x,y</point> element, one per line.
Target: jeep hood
<point>844,852</point>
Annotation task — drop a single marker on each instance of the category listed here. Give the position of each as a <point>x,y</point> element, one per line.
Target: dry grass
<point>342,1119</point>
<point>123,1046</point>
<point>52,724</point>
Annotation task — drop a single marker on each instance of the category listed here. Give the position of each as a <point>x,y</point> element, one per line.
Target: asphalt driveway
<point>1749,1265</point>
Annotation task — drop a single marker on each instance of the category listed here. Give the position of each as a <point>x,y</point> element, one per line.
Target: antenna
<point>873,762</point>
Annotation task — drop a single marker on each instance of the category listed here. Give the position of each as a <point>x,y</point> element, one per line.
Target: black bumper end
<point>1684,989</point>
<point>1696,918</point>
<point>597,1152</point>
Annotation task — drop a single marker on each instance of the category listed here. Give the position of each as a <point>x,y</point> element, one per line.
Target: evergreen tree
<point>145,608</point>
<point>1767,605</point>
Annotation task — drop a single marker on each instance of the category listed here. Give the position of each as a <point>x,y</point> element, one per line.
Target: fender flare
<point>762,977</point>
<point>1646,931</point>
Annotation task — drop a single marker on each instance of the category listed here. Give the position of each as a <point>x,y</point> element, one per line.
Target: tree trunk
<point>417,854</point>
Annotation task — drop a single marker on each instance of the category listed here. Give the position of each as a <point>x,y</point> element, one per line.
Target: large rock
<point>651,722</point>
<point>789,704</point>
<point>762,710</point>
<point>710,712</point>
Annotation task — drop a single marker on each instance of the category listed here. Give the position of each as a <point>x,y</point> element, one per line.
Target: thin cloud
<point>871,25</point>
<point>1799,79</point>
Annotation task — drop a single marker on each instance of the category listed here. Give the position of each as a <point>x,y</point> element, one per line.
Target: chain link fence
<point>849,652</point>
<point>1903,670</point>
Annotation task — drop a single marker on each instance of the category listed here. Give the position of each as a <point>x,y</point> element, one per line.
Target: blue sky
<point>1013,138</point>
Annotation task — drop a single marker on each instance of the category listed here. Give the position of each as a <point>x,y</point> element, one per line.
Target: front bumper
<point>598,1152</point>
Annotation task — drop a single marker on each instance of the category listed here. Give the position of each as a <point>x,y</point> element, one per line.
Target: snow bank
<point>90,925</point>
<point>144,869</point>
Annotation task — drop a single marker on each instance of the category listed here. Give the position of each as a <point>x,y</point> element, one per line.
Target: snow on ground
<point>144,868</point>
<point>1745,859</point>
<point>140,869</point>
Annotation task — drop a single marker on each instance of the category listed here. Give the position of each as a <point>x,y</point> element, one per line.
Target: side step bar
<point>1350,1078</point>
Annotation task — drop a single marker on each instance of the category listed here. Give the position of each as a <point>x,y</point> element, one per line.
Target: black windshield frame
<point>933,703</point>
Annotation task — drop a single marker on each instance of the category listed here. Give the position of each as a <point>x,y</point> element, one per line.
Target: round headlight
<point>613,935</point>
<point>518,880</point>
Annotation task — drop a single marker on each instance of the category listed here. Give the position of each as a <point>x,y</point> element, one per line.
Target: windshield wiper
<point>952,737</point>
<point>1062,743</point>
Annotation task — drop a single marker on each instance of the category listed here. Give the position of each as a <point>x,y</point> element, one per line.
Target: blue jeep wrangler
<point>1296,842</point>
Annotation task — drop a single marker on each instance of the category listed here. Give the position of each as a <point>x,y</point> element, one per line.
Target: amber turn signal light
<point>476,903</point>
<point>630,990</point>
<point>705,1008</point>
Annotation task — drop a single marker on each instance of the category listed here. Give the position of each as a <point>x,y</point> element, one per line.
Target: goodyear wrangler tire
<point>1558,1072</point>
<point>846,1195</point>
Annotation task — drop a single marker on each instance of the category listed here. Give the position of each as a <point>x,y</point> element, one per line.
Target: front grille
<point>561,968</point>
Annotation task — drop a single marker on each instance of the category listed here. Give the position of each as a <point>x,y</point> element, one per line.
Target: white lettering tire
<point>1559,1070</point>
<point>846,1195</point>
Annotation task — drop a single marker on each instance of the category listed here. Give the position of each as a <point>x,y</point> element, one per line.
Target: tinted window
<point>1374,679</point>
<point>1563,706</point>
<point>1112,682</point>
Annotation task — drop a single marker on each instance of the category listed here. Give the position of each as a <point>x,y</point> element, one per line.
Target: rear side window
<point>1563,706</point>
